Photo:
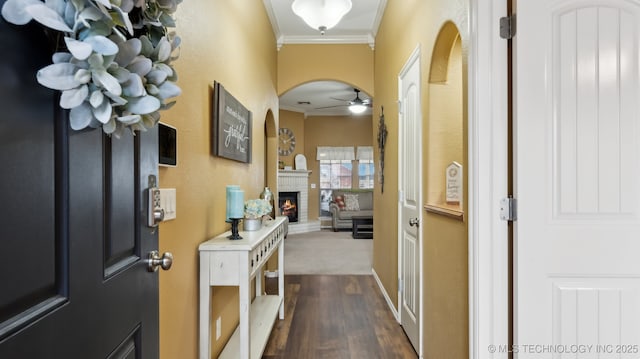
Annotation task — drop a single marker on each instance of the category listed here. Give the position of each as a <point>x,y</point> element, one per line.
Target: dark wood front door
<point>73,239</point>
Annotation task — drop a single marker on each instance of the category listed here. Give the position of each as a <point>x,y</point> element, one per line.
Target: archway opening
<point>316,114</point>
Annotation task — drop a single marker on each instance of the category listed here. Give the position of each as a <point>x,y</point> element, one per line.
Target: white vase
<point>252,224</point>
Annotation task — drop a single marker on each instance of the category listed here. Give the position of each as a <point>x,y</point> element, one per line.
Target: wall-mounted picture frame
<point>230,127</point>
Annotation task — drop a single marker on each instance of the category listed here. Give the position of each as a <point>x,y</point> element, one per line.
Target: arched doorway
<point>316,114</point>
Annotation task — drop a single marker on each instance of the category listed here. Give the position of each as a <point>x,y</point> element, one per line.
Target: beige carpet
<point>327,252</point>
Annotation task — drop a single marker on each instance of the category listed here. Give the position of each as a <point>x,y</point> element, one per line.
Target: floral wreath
<point>115,71</point>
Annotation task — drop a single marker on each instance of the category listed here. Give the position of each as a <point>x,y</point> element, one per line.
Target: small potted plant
<point>254,209</point>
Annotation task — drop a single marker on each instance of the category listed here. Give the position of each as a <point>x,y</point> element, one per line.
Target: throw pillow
<point>340,202</point>
<point>351,202</point>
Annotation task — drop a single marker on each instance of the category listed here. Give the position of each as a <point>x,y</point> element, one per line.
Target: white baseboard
<point>386,295</point>
<point>271,274</point>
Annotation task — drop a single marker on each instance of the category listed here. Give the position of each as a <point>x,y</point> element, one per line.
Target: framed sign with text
<point>230,127</point>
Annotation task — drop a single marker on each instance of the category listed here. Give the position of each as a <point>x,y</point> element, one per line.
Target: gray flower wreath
<point>116,71</point>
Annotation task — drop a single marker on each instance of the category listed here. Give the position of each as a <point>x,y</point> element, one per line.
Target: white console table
<point>225,262</point>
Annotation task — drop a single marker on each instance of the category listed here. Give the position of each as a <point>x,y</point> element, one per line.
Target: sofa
<point>346,203</point>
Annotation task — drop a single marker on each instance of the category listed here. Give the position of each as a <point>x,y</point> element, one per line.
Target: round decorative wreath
<point>115,70</point>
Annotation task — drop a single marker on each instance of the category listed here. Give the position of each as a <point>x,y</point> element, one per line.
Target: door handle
<point>414,222</point>
<point>155,260</point>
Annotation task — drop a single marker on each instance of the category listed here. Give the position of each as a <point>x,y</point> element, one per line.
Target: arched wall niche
<point>271,151</point>
<point>270,128</point>
<point>442,52</point>
<point>446,123</point>
<point>271,167</point>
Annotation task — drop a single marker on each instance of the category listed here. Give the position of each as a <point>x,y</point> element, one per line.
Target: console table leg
<point>245,308</point>
<point>281,277</point>
<point>205,307</point>
<point>259,278</point>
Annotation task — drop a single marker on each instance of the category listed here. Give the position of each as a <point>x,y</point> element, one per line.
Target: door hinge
<point>508,209</point>
<point>508,27</point>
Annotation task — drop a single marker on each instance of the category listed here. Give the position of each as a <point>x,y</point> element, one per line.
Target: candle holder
<point>234,228</point>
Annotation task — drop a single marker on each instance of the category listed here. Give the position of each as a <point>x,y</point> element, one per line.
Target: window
<point>365,174</point>
<point>336,170</point>
<point>334,174</point>
<point>364,155</point>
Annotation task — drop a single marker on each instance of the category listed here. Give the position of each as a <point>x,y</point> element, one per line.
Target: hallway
<point>335,317</point>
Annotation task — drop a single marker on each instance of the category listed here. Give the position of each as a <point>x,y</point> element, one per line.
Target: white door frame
<point>488,236</point>
<point>415,56</point>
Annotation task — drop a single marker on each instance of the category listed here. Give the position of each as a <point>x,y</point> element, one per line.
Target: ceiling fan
<point>356,106</point>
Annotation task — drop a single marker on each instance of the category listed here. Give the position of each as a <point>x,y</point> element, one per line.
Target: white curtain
<point>335,153</point>
<point>364,153</point>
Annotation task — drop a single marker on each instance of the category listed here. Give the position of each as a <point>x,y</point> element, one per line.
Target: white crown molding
<point>273,7</point>
<point>376,22</point>
<point>272,19</point>
<point>327,39</point>
<point>313,40</point>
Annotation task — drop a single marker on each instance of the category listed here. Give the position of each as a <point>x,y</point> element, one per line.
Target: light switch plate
<point>168,202</point>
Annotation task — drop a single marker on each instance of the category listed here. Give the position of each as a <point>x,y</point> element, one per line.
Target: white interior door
<point>410,182</point>
<point>577,175</point>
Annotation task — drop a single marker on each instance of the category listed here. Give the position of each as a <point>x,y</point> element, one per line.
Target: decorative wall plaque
<point>454,183</point>
<point>231,126</point>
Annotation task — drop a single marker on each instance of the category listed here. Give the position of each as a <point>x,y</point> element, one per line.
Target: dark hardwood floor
<point>335,316</point>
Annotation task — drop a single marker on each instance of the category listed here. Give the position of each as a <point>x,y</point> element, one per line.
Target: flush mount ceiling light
<point>321,14</point>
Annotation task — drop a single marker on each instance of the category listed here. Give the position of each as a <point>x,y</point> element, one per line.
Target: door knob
<point>414,222</point>
<point>155,260</point>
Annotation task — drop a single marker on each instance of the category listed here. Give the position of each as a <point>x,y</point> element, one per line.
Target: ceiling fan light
<point>321,14</point>
<point>357,108</point>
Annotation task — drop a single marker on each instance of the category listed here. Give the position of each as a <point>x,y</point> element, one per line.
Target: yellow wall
<point>406,25</point>
<point>231,42</point>
<point>352,64</point>
<point>348,63</point>
<point>332,131</point>
<point>295,122</point>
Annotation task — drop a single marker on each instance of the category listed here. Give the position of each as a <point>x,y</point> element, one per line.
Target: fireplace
<point>288,204</point>
<point>295,183</point>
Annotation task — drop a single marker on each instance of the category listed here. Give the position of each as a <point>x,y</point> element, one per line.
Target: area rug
<point>327,252</point>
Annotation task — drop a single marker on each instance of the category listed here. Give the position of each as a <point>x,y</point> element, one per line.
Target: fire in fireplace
<point>288,203</point>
